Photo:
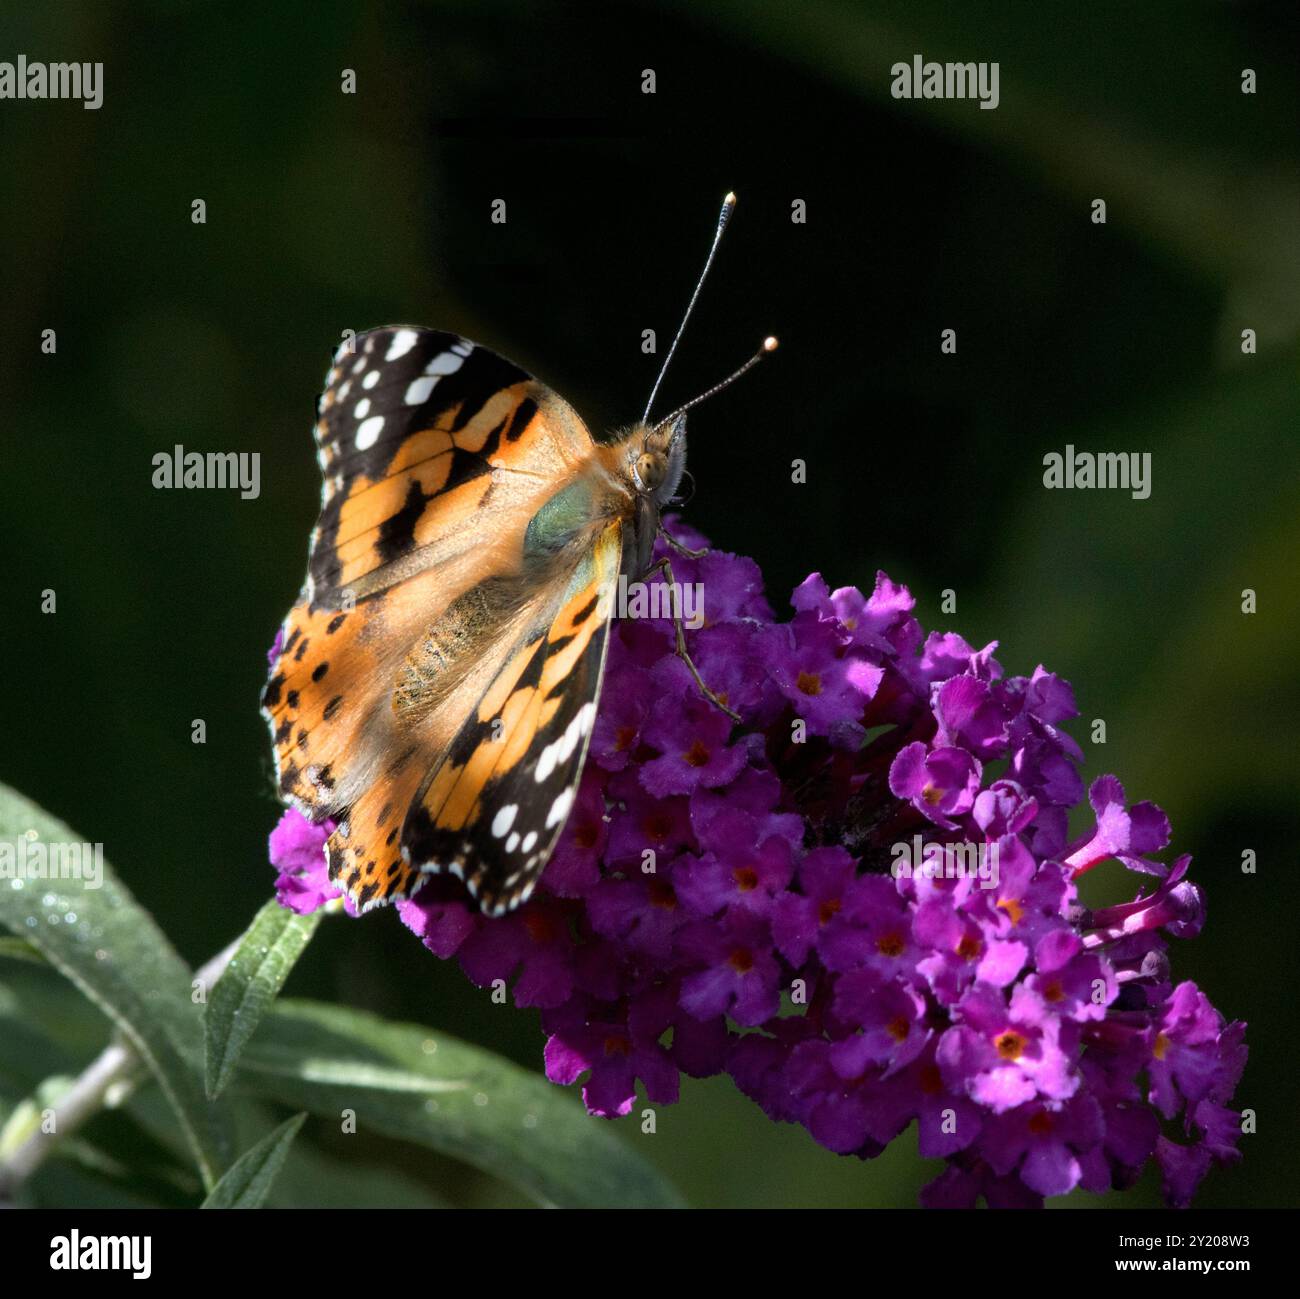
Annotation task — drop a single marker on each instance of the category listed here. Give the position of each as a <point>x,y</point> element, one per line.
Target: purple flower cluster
<point>860,903</point>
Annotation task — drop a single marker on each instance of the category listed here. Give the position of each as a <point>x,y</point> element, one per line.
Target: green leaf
<point>19,949</point>
<point>267,952</point>
<point>247,1181</point>
<point>312,1179</point>
<point>413,1084</point>
<point>101,939</point>
<point>46,1026</point>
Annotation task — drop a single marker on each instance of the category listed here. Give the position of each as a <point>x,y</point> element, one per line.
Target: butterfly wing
<point>435,454</point>
<point>426,443</point>
<point>495,806</point>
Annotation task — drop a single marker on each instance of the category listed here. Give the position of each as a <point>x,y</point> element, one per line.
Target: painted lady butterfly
<point>438,677</point>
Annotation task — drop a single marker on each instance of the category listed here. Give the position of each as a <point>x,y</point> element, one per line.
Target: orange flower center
<point>890,944</point>
<point>809,683</point>
<point>657,826</point>
<point>1010,1045</point>
<point>662,895</point>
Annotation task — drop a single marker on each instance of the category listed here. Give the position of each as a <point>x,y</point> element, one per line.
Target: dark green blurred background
<point>329,211</point>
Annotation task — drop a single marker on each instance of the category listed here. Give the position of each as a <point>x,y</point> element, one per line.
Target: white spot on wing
<point>569,740</point>
<point>371,379</point>
<point>560,808</point>
<point>446,363</point>
<point>402,343</point>
<point>368,433</point>
<point>503,820</point>
<point>363,408</point>
<point>419,391</point>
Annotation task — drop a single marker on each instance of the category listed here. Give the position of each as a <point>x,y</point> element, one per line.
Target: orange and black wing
<point>494,807</point>
<point>426,443</point>
<point>435,453</point>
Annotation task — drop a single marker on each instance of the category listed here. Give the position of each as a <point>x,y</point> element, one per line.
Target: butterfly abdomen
<point>442,659</point>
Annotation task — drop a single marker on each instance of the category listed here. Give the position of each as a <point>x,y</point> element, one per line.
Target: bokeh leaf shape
<point>248,1181</point>
<point>111,949</point>
<point>414,1084</point>
<point>249,984</point>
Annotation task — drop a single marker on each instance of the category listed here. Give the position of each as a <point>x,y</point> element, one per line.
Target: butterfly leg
<point>663,566</point>
<point>679,548</point>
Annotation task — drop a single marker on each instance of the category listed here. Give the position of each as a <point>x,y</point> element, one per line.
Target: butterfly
<point>438,677</point>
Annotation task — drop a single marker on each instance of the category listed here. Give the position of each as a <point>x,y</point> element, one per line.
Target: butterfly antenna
<point>769,345</point>
<point>728,207</point>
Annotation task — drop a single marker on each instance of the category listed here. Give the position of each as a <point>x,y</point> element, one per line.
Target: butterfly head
<point>660,459</point>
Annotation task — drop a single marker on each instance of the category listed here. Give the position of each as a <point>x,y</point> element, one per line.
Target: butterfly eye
<point>650,470</point>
